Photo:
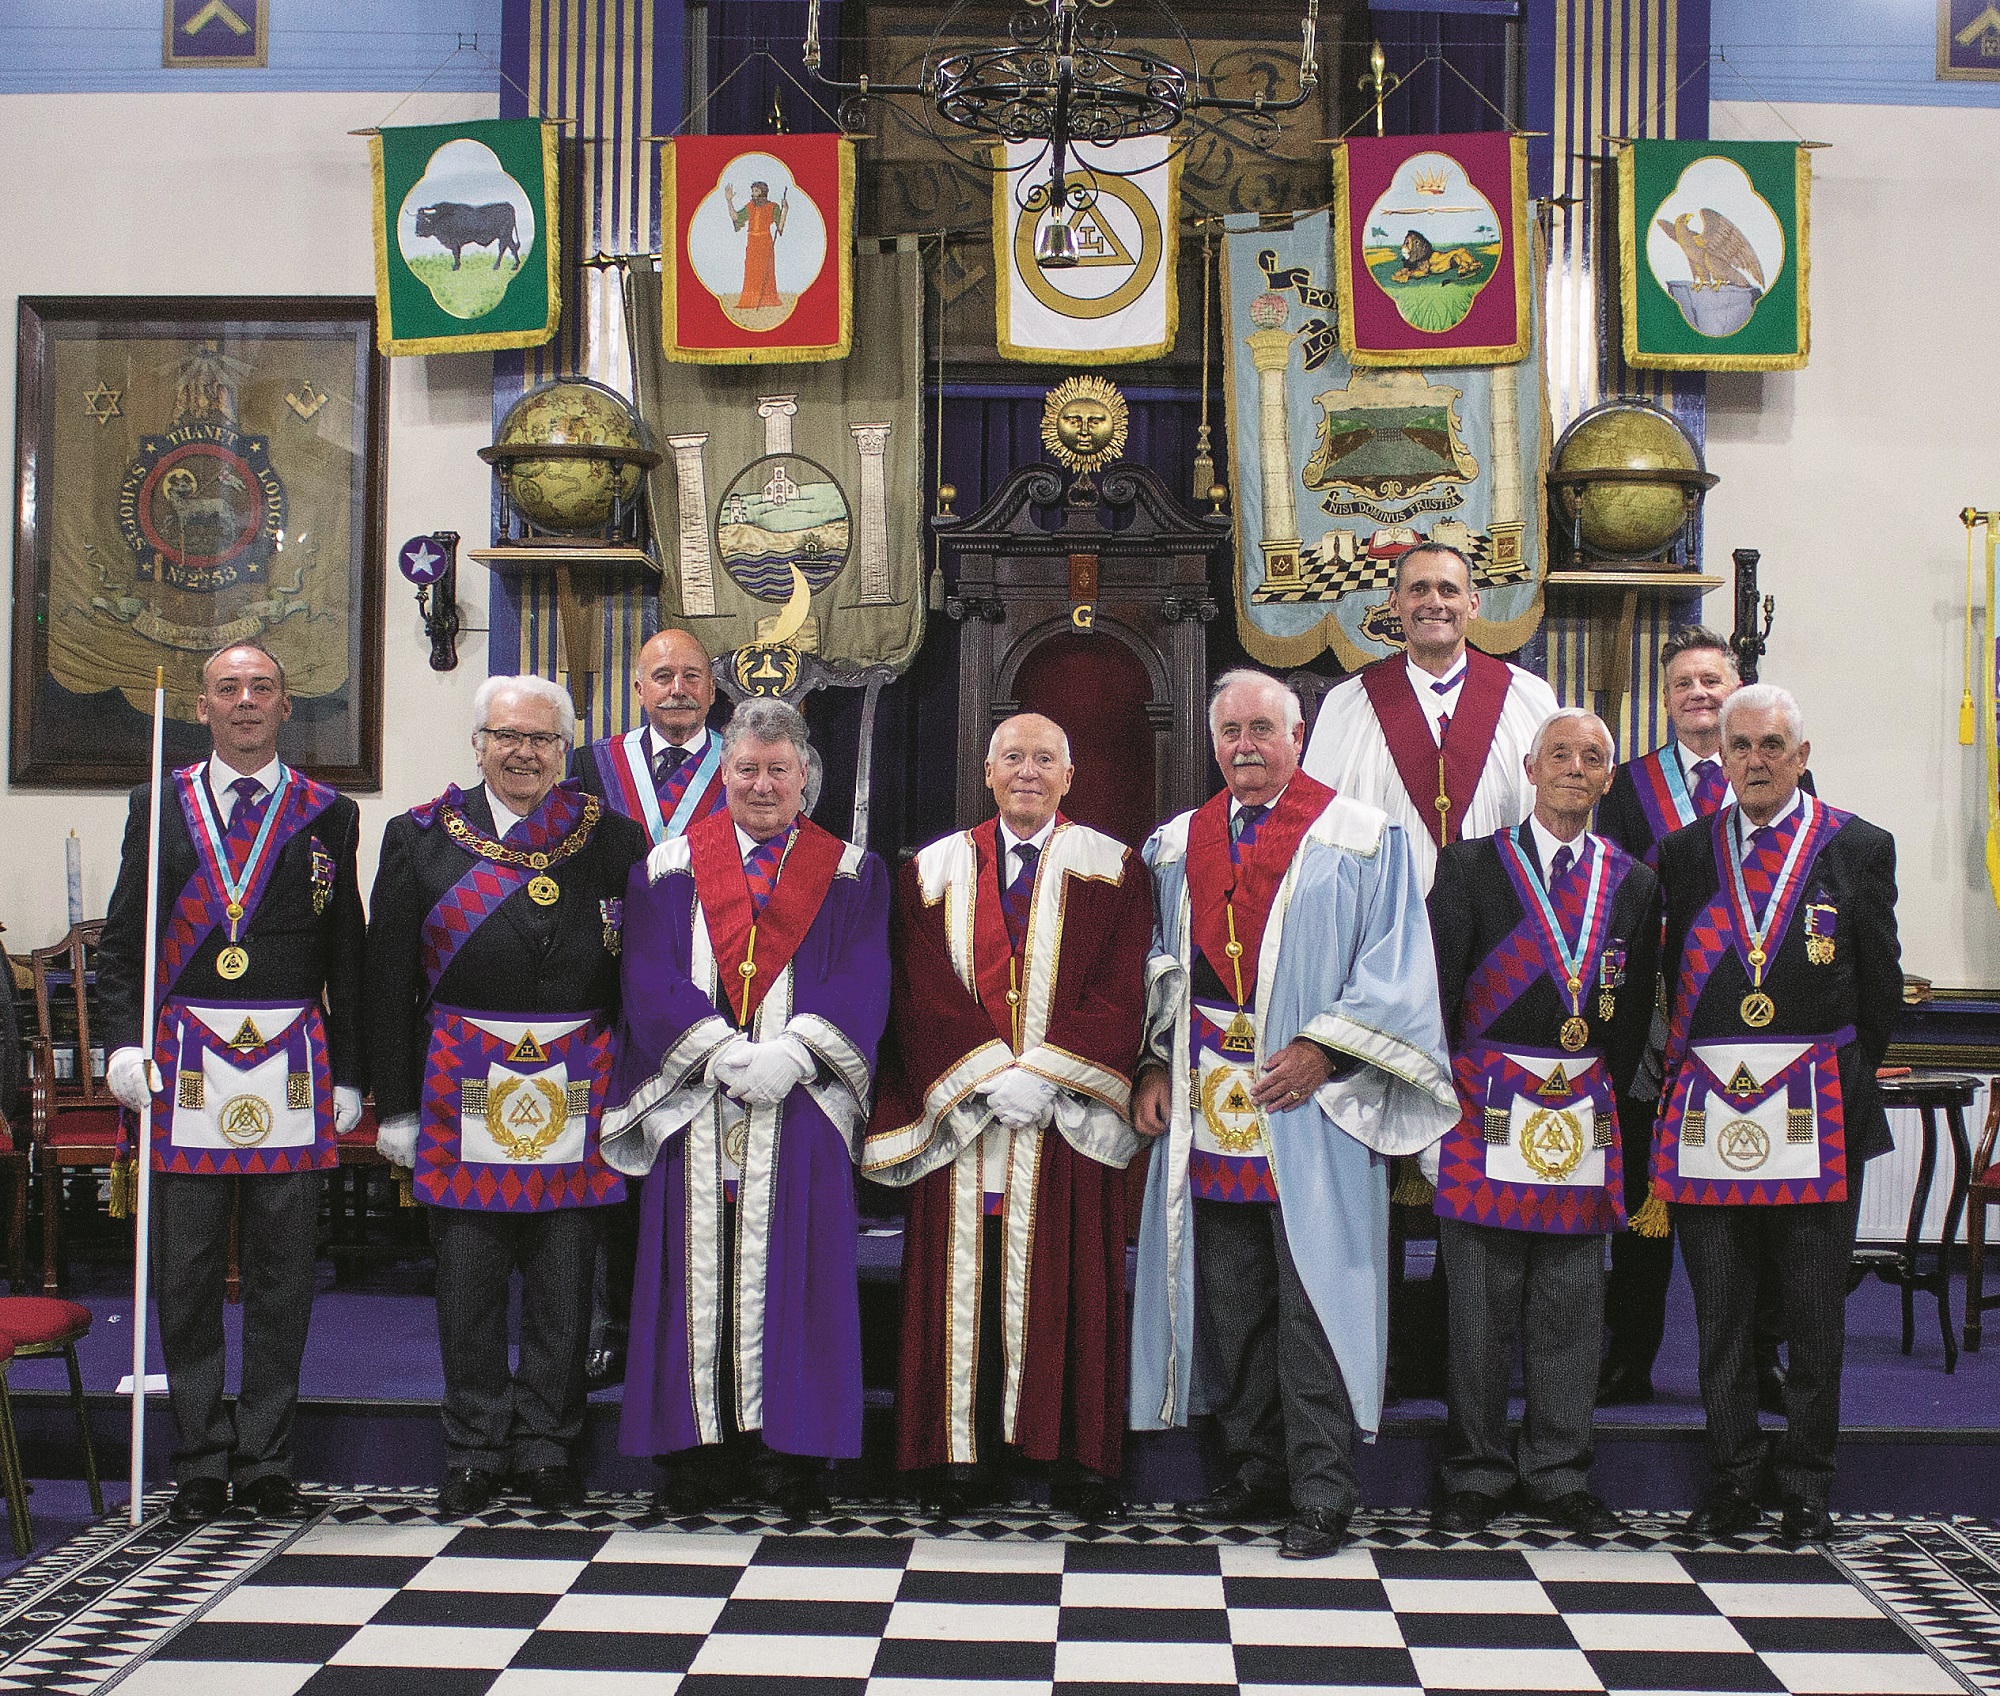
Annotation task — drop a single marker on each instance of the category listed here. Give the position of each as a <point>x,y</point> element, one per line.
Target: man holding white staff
<point>257,1050</point>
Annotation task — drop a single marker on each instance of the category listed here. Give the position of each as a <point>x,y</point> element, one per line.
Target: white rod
<point>142,1203</point>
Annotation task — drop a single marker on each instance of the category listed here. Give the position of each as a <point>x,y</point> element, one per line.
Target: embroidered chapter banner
<point>1431,249</point>
<point>758,262</point>
<point>1117,303</point>
<point>466,245</point>
<point>1712,254</point>
<point>1335,469</point>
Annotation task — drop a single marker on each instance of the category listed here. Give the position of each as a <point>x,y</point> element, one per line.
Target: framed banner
<point>1431,249</point>
<point>1713,254</point>
<point>190,473</point>
<point>467,248</point>
<point>1968,41</point>
<point>1117,303</point>
<point>758,267</point>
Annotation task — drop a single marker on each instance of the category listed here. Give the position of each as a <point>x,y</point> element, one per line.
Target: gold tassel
<point>124,1187</point>
<point>1967,713</point>
<point>1652,1220</point>
<point>1965,720</point>
<point>1412,1189</point>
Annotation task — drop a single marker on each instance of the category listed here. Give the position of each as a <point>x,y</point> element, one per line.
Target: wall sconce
<point>431,563</point>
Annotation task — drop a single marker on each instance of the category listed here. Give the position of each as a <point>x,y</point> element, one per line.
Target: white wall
<point>1849,475</point>
<point>116,194</point>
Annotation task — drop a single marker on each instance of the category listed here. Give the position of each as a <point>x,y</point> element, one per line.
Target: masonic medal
<point>1241,1037</point>
<point>1575,1033</point>
<point>232,962</point>
<point>1819,942</point>
<point>1607,1005</point>
<point>1758,1009</point>
<point>544,891</point>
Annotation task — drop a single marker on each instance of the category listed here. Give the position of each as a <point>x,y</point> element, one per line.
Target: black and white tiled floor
<point>379,1598</point>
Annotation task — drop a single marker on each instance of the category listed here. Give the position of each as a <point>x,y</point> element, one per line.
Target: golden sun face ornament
<point>1084,423</point>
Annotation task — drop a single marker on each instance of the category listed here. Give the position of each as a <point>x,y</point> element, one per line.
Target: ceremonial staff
<point>142,1230</point>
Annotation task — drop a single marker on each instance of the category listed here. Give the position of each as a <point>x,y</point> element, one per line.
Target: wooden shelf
<point>549,558</point>
<point>1607,665</point>
<point>1634,578</point>
<point>579,603</point>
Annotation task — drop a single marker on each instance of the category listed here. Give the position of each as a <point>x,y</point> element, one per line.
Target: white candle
<point>73,864</point>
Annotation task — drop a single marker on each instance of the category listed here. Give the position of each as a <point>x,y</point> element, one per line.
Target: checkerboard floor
<point>385,1608</point>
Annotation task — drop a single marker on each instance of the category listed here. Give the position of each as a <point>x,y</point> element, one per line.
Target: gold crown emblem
<point>1430,182</point>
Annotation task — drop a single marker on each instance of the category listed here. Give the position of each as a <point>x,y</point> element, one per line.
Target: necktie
<point>666,762</point>
<point>1014,899</point>
<point>1442,687</point>
<point>1709,784</point>
<point>1763,856</point>
<point>1559,866</point>
<point>1244,828</point>
<point>244,820</point>
<point>760,869</point>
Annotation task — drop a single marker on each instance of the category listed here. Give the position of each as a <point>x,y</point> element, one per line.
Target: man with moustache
<point>1293,1045</point>
<point>1547,942</point>
<point>257,1055</point>
<point>1018,997</point>
<point>1436,737</point>
<point>493,940</point>
<point>1784,980</point>
<point>666,773</point>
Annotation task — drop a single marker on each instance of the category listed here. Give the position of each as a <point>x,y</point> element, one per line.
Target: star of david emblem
<point>101,403</point>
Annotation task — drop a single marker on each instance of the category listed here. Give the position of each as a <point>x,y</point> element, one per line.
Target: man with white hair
<point>1435,736</point>
<point>1547,942</point>
<point>1784,979</point>
<point>1019,994</point>
<point>492,973</point>
<point>756,986</point>
<point>1293,1045</point>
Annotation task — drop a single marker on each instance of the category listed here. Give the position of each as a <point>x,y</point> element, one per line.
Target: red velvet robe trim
<point>805,877</point>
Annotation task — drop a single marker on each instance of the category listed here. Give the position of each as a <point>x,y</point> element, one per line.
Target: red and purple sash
<point>202,904</point>
<point>458,1081</point>
<point>1577,1093</point>
<point>723,890</point>
<point>1420,762</point>
<point>1705,1108</point>
<point>1664,796</point>
<point>692,792</point>
<point>485,884</point>
<point>181,1048</point>
<point>1218,882</point>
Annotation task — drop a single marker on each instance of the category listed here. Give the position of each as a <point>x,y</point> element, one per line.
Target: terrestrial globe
<point>599,456</point>
<point>1627,518</point>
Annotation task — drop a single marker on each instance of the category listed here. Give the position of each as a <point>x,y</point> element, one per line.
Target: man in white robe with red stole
<point>1784,981</point>
<point>1548,944</point>
<point>1018,1003</point>
<point>1293,1045</point>
<point>257,1052</point>
<point>756,986</point>
<point>1435,738</point>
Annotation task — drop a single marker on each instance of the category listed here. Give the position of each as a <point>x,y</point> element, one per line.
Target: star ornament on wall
<point>101,403</point>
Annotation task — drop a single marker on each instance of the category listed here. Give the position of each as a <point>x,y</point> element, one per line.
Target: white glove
<point>346,1108</point>
<point>726,1065</point>
<point>775,1069</point>
<point>1020,1098</point>
<point>1429,1160</point>
<point>125,1078</point>
<point>396,1140</point>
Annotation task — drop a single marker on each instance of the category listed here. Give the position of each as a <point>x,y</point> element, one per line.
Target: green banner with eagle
<point>1712,254</point>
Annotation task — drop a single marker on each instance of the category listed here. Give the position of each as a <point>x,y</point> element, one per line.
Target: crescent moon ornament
<point>792,620</point>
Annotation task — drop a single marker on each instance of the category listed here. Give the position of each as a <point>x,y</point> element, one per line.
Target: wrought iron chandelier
<point>1062,78</point>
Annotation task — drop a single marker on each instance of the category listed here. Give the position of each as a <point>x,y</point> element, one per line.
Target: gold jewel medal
<point>1758,1009</point>
<point>245,1121</point>
<point>232,962</point>
<point>1607,1004</point>
<point>1232,1116</point>
<point>1552,1144</point>
<point>1241,1037</point>
<point>1575,1033</point>
<point>544,891</point>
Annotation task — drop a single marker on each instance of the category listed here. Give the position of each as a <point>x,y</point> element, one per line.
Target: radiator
<point>1892,1177</point>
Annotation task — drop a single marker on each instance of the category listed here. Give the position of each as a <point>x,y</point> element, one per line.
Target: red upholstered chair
<point>11,1480</point>
<point>49,1325</point>
<point>75,1118</point>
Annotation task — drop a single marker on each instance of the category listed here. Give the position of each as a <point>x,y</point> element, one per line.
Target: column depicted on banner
<point>466,242</point>
<point>758,240</point>
<point>1117,302</point>
<point>1431,260</point>
<point>1337,469</point>
<point>1712,254</point>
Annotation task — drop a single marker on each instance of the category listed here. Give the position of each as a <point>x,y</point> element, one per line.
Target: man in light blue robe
<point>1295,1044</point>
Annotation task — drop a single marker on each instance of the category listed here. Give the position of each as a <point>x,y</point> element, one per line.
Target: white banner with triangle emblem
<point>1117,302</point>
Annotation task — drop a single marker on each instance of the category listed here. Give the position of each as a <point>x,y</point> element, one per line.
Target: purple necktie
<point>1244,828</point>
<point>760,869</point>
<point>1559,866</point>
<point>1016,897</point>
<point>666,762</point>
<point>243,822</point>
<point>1709,784</point>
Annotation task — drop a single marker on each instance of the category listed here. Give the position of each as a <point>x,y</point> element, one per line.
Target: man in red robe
<point>766,223</point>
<point>1017,1003</point>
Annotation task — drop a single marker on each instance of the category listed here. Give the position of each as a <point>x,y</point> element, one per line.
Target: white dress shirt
<point>1010,868</point>
<point>1547,842</point>
<point>221,776</point>
<point>1436,703</point>
<point>1744,828</point>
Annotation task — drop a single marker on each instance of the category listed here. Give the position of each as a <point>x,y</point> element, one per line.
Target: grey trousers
<point>1812,1247</point>
<point>1549,1291</point>
<point>495,1420</point>
<point>1269,1372</point>
<point>190,1256</point>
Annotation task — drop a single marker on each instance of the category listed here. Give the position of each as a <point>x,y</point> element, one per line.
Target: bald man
<point>1016,1005</point>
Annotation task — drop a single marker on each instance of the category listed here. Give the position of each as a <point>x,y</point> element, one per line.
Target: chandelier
<point>1062,78</point>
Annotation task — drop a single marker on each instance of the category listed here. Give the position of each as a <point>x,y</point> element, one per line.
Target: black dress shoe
<point>1623,1386</point>
<point>1724,1512</point>
<point>466,1489</point>
<point>199,1499</point>
<point>1581,1512</point>
<point>1237,1503</point>
<point>1808,1522</point>
<point>1464,1511</point>
<point>798,1490</point>
<point>1088,1495</point>
<point>275,1496</point>
<point>950,1491</point>
<point>1313,1534</point>
<point>602,1367</point>
<point>554,1489</point>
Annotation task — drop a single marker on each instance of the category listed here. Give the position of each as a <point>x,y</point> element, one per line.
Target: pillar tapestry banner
<point>1334,469</point>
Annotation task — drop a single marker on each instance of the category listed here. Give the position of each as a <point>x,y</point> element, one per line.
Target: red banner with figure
<point>758,257</point>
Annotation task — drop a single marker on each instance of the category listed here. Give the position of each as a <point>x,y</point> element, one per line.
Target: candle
<point>73,865</point>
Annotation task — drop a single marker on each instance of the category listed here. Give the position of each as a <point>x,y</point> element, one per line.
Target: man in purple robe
<point>756,985</point>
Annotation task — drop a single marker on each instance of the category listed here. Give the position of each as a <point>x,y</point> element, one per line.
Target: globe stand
<point>581,573</point>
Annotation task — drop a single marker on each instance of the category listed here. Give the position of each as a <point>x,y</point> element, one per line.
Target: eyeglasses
<point>508,741</point>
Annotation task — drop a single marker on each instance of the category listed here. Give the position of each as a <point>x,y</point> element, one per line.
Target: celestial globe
<point>570,493</point>
<point>1636,519</point>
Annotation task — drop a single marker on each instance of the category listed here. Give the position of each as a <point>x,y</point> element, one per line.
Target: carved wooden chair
<point>73,1116</point>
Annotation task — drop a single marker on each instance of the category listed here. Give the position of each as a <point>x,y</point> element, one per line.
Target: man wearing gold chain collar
<point>1547,943</point>
<point>493,944</point>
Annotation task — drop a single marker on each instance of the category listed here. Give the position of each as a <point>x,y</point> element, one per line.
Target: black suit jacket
<point>1473,906</point>
<point>295,953</point>
<point>1621,817</point>
<point>525,958</point>
<point>1863,986</point>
